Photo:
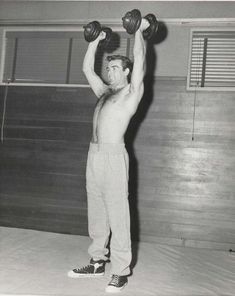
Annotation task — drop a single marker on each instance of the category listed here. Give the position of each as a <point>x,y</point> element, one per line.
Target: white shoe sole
<point>112,289</point>
<point>74,275</point>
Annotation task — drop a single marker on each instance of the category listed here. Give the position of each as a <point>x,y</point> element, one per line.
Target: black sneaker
<point>94,269</point>
<point>117,283</point>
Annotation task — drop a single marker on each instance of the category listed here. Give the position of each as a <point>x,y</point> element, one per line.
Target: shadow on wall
<point>134,126</point>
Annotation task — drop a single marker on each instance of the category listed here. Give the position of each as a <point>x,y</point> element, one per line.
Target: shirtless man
<point>108,163</point>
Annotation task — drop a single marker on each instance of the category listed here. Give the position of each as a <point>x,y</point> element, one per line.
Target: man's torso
<point>111,117</point>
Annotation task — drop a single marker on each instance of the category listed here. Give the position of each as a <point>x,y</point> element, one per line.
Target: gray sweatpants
<point>108,207</point>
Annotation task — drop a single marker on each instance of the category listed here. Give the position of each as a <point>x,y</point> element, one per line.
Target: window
<point>212,60</point>
<point>47,57</point>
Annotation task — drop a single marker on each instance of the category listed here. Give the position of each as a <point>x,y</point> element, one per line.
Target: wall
<point>43,158</point>
<point>75,10</point>
<point>173,37</point>
<point>181,191</point>
<point>186,191</point>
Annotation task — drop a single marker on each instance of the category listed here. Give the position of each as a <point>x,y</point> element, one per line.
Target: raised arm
<point>96,83</point>
<point>139,52</point>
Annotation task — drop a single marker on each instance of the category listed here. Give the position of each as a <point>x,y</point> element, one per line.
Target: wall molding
<point>117,22</point>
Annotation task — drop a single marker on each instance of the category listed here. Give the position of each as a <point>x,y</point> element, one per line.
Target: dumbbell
<point>93,29</point>
<point>132,20</point>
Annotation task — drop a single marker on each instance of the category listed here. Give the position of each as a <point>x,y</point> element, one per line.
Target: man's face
<point>116,74</point>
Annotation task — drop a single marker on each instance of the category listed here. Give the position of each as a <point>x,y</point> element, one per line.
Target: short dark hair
<point>126,62</point>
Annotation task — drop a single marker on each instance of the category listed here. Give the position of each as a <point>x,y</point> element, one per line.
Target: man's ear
<point>127,71</point>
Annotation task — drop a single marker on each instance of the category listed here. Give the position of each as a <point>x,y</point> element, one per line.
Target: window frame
<point>48,28</point>
<point>205,88</point>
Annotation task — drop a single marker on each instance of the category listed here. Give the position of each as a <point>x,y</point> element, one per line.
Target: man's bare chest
<point>110,102</point>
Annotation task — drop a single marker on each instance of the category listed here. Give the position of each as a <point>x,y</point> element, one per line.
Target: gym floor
<point>36,263</point>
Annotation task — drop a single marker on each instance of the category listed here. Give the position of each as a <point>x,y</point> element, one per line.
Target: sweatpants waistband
<point>107,147</point>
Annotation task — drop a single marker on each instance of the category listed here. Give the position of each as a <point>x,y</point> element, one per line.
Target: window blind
<point>212,60</point>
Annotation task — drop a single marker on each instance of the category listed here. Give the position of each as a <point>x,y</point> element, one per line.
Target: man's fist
<point>101,36</point>
<point>144,24</point>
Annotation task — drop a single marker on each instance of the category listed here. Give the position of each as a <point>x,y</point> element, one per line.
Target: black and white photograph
<point>117,149</point>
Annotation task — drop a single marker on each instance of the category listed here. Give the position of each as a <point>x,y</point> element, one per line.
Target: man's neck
<point>118,87</point>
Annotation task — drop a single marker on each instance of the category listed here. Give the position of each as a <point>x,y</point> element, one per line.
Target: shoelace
<point>115,280</point>
<point>84,268</point>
